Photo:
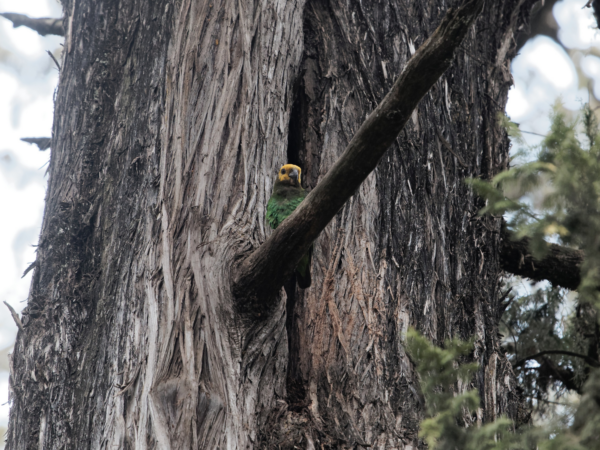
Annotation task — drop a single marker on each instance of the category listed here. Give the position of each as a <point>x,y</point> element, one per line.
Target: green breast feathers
<point>281,205</point>
<point>287,195</point>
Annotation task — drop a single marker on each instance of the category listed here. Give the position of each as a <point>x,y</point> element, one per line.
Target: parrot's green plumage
<point>287,195</point>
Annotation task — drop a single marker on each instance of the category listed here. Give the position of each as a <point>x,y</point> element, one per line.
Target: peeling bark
<point>171,119</point>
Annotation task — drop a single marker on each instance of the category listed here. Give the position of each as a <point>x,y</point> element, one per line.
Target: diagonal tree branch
<point>561,266</point>
<point>44,25</point>
<point>260,276</point>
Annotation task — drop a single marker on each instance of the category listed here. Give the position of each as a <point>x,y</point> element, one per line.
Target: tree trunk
<point>172,119</point>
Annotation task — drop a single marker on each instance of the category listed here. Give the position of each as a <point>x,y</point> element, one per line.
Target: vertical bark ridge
<point>224,135</point>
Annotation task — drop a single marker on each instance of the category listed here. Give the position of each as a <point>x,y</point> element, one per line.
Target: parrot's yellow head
<point>290,175</point>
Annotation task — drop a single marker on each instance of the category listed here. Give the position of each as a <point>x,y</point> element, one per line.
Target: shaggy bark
<point>409,248</point>
<point>171,119</point>
<point>262,274</point>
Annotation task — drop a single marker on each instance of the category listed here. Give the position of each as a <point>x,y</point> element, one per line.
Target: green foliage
<point>557,195</point>
<point>543,320</point>
<point>587,417</point>
<point>550,335</point>
<point>441,371</point>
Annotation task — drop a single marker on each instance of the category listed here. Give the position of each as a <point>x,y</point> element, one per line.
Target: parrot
<point>287,195</point>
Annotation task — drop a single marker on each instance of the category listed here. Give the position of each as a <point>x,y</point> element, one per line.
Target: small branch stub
<point>43,143</point>
<point>15,316</point>
<point>260,276</point>
<point>53,59</point>
<point>43,26</point>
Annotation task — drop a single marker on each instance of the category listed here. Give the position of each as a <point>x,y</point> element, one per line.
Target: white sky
<point>543,70</point>
<point>28,77</point>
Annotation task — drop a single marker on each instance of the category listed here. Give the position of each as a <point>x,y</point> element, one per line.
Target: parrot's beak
<point>294,174</point>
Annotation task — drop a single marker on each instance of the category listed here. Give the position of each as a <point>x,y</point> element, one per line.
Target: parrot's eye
<point>282,170</point>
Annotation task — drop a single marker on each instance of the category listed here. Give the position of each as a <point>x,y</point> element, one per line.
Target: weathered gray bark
<point>171,121</point>
<point>409,249</point>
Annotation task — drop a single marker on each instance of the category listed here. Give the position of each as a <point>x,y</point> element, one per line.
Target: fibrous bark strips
<point>262,274</point>
<point>171,120</point>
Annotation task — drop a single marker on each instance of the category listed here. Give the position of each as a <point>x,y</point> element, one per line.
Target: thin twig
<point>591,361</point>
<point>547,401</point>
<point>53,59</point>
<point>533,132</point>
<point>448,147</point>
<point>15,317</point>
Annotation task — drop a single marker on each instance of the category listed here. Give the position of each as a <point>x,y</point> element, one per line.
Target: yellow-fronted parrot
<point>287,195</point>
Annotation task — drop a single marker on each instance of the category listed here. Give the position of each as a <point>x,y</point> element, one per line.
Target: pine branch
<point>43,25</point>
<point>260,276</point>
<point>561,266</point>
<point>591,361</point>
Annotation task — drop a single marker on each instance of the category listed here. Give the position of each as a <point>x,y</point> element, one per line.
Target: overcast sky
<point>28,78</point>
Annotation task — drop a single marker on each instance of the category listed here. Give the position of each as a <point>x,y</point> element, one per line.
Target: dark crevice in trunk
<point>304,149</point>
<point>297,126</point>
<point>296,154</point>
<point>296,391</point>
<point>295,385</point>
